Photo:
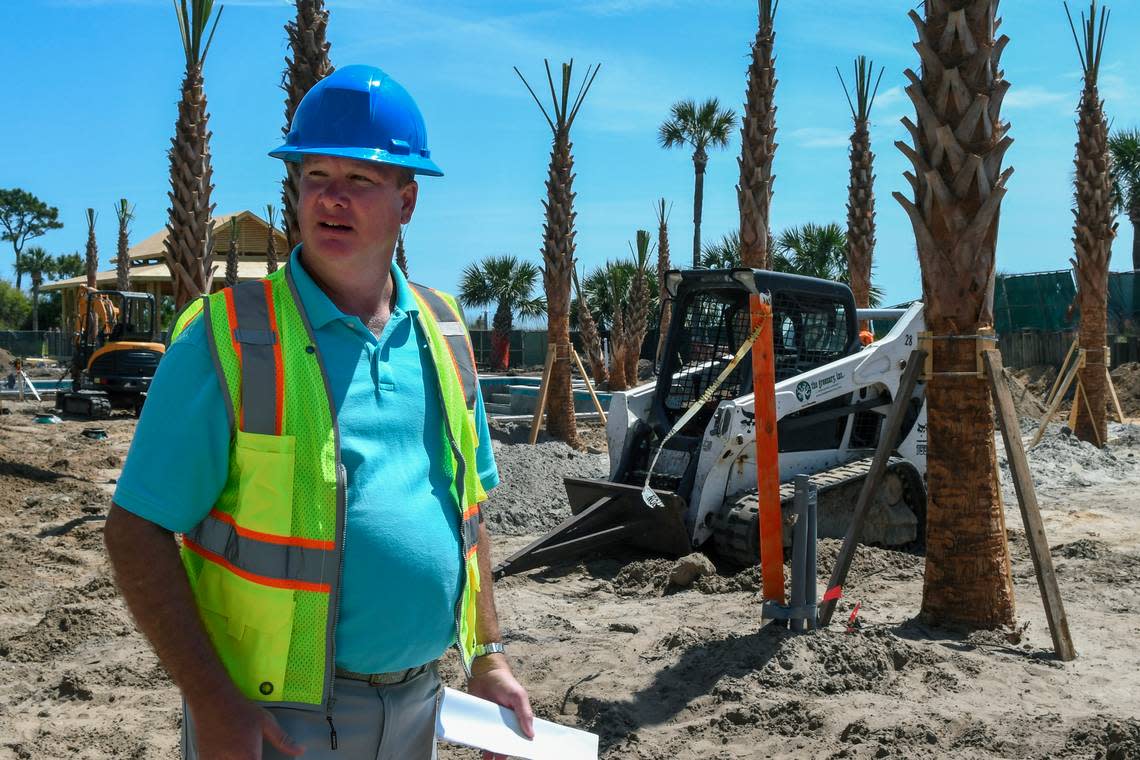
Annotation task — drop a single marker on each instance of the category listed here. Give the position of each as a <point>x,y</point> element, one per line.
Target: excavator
<point>116,352</point>
<point>832,398</point>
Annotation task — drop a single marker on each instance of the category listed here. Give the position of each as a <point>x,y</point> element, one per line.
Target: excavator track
<point>897,517</point>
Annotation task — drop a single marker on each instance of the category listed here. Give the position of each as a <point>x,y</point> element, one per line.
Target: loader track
<point>897,517</point>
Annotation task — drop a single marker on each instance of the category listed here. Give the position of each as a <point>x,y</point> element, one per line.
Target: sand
<point>658,670</point>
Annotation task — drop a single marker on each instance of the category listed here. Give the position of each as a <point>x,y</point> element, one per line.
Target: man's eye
<point>361,178</point>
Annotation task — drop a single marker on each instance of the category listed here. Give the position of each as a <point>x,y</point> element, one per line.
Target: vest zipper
<point>342,509</point>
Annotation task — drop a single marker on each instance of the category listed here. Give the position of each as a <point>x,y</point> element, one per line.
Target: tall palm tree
<point>92,250</point>
<point>591,340</point>
<point>307,64</point>
<point>640,304</point>
<point>232,255</point>
<point>1124,145</point>
<point>663,266</point>
<point>1093,227</point>
<point>124,212</point>
<point>401,254</point>
<point>958,184</point>
<point>558,244</point>
<point>507,282</point>
<point>616,287</point>
<point>190,227</point>
<point>814,250</point>
<point>861,185</point>
<point>271,240</point>
<point>758,142</point>
<point>37,264</point>
<point>699,127</point>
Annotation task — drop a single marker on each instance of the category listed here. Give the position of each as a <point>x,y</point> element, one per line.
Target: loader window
<point>715,323</point>
<point>810,331</point>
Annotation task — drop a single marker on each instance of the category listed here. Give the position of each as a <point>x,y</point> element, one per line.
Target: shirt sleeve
<point>179,458</point>
<point>484,456</point>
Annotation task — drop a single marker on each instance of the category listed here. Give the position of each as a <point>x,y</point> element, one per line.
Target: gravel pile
<point>1062,460</point>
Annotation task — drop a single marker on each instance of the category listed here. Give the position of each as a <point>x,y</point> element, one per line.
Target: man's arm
<point>151,578</point>
<point>491,676</point>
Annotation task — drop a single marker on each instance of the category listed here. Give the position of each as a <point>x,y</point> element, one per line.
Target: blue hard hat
<point>360,112</point>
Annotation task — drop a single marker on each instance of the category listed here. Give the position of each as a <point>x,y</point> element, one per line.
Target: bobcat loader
<point>832,398</point>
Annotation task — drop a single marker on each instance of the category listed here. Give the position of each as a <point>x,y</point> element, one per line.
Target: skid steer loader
<point>832,397</point>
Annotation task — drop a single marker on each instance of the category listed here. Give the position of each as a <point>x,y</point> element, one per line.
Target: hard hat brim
<point>418,164</point>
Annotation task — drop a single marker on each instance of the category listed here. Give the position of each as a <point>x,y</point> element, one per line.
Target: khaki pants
<point>390,722</point>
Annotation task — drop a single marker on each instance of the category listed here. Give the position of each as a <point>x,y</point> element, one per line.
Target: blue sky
<point>90,107</point>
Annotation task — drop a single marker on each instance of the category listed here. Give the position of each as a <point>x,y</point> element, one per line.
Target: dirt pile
<point>1037,379</point>
<point>1105,738</point>
<point>1061,460</point>
<point>530,497</point>
<point>1126,379</point>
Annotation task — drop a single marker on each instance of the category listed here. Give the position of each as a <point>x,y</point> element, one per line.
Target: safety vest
<point>265,563</point>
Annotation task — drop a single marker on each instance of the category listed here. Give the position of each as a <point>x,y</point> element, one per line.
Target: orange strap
<point>767,452</point>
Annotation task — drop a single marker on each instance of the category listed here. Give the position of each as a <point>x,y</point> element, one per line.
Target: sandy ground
<point>658,671</point>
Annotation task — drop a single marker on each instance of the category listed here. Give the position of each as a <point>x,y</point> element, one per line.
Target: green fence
<point>1042,300</point>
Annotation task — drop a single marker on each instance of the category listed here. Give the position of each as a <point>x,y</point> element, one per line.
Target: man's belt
<point>384,679</point>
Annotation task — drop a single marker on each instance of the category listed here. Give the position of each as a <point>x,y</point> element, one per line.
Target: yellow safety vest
<point>265,563</point>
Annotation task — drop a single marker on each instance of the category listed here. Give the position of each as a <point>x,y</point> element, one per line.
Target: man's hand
<point>492,679</point>
<point>235,729</point>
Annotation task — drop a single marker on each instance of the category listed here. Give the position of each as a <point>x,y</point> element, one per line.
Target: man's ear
<point>409,193</point>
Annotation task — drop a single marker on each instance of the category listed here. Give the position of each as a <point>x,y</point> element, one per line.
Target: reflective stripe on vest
<point>254,331</point>
<point>281,561</point>
<point>455,335</point>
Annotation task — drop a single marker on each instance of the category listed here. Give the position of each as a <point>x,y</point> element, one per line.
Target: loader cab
<point>813,322</point>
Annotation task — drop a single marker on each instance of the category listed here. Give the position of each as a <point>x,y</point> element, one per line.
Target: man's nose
<point>333,193</point>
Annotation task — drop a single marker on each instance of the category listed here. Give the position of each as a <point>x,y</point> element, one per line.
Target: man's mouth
<point>335,226</point>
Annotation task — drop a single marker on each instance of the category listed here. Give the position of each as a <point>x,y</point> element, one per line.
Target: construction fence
<point>1046,301</point>
<point>42,343</point>
<point>528,347</point>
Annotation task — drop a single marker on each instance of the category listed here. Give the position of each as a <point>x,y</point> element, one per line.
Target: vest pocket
<point>250,626</point>
<point>265,482</point>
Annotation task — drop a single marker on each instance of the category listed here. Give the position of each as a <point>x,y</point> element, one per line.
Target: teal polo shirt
<point>402,569</point>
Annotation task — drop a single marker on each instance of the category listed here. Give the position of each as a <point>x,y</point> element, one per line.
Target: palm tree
<point>190,226</point>
<point>699,127</point>
<point>401,254</point>
<point>861,186</point>
<point>509,283</point>
<point>958,184</point>
<point>1093,228</point>
<point>616,285</point>
<point>758,141</point>
<point>558,245</point>
<point>818,251</point>
<point>663,266</point>
<point>92,250</point>
<point>1124,145</point>
<point>308,64</point>
<point>125,213</point>
<point>232,255</point>
<point>591,340</point>
<point>640,304</point>
<point>36,263</point>
<point>271,240</point>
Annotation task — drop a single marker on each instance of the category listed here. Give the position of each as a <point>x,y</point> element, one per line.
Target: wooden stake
<point>1069,376</point>
<point>589,385</point>
<point>1060,373</point>
<point>887,438</point>
<point>1112,394</point>
<point>1076,404</point>
<point>536,421</point>
<point>1088,410</point>
<point>1030,513</point>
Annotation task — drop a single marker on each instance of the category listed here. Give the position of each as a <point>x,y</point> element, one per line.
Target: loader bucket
<point>605,513</point>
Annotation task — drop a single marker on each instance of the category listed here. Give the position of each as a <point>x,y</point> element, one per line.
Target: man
<point>319,440</point>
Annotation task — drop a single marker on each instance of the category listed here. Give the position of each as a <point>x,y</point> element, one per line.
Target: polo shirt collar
<point>320,308</point>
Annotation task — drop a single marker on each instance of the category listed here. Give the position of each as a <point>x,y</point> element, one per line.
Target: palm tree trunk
<point>92,258</point>
<point>558,255</point>
<point>861,215</point>
<point>758,143</point>
<point>308,65</point>
<point>1134,217</point>
<point>501,337</point>
<point>700,161</point>
<point>666,303</point>
<point>190,227</point>
<point>618,380</point>
<point>588,329</point>
<point>1093,232</point>
<point>35,304</point>
<point>958,184</point>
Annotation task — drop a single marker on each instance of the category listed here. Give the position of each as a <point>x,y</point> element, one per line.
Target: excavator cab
<point>117,350</point>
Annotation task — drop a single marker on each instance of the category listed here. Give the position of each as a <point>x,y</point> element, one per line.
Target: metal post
<point>799,549</point>
<point>809,561</point>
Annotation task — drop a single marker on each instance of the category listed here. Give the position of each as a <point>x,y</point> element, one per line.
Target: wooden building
<point>149,273</point>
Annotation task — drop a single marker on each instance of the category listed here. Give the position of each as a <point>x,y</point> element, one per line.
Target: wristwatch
<point>495,647</point>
